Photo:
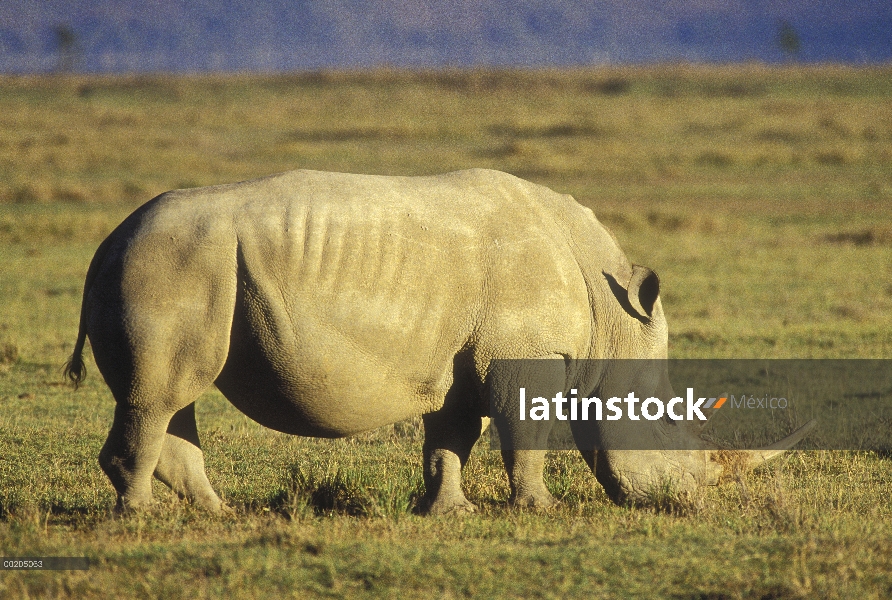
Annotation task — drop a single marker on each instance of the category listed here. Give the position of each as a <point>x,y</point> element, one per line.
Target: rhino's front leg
<point>523,452</point>
<point>525,476</point>
<point>524,441</point>
<point>449,436</point>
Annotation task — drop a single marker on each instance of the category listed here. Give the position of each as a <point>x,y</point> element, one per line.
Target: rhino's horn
<point>744,460</point>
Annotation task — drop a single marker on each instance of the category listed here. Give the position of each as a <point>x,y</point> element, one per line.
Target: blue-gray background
<point>277,35</point>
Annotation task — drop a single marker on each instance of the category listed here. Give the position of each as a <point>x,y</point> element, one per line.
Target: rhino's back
<point>389,260</point>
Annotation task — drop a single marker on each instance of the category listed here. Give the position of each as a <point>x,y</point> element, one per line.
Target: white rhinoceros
<point>326,304</point>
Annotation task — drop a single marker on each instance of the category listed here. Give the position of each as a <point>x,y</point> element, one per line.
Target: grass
<point>761,197</point>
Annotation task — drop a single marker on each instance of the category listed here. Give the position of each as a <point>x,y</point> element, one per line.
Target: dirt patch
<point>868,236</point>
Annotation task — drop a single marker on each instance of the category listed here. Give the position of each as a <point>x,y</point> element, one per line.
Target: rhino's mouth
<point>636,477</point>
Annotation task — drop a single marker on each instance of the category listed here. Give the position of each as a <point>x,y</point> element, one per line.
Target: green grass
<point>761,197</point>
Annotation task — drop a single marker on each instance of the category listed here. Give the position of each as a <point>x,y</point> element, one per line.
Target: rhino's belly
<point>320,413</point>
<point>327,389</point>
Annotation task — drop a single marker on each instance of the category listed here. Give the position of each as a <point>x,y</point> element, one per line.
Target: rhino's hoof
<point>450,507</point>
<point>214,508</point>
<point>541,501</point>
<point>211,504</point>
<point>128,507</point>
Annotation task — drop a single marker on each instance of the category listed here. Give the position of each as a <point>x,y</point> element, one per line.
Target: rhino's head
<point>676,458</point>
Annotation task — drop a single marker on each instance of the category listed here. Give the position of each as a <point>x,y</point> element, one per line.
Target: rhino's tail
<point>75,370</point>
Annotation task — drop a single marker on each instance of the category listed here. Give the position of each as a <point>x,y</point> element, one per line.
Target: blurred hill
<point>180,35</point>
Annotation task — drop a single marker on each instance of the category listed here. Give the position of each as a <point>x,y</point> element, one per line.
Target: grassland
<point>761,196</point>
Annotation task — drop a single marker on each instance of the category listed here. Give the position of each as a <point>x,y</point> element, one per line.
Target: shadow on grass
<point>11,509</point>
<point>883,453</point>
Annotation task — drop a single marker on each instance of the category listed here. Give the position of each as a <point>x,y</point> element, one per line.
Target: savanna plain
<point>761,196</point>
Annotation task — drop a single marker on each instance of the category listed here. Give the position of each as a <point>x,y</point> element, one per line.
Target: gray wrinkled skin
<point>327,304</point>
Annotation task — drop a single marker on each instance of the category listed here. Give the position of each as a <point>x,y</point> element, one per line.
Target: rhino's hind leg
<point>130,454</point>
<point>181,464</point>
<point>449,436</point>
<point>154,432</point>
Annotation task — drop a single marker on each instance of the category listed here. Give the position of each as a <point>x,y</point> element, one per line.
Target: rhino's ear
<point>643,290</point>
